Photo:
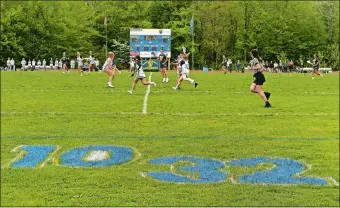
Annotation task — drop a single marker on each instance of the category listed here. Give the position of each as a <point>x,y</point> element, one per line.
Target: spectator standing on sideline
<point>44,64</point>
<point>39,64</point>
<point>51,64</point>
<point>23,64</point>
<point>33,64</point>
<point>230,65</point>
<point>132,65</point>
<point>72,63</point>
<point>60,64</point>
<point>8,64</point>
<point>238,66</point>
<point>12,65</point>
<point>271,66</point>
<point>266,65</point>
<point>29,65</point>
<point>291,65</point>
<point>275,66</point>
<point>56,63</point>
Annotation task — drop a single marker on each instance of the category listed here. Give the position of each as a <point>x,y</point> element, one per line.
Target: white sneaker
<point>174,88</point>
<point>63,72</point>
<point>68,71</point>
<point>130,91</point>
<point>321,75</point>
<point>163,80</point>
<point>111,86</point>
<point>312,77</point>
<point>166,80</point>
<point>154,84</point>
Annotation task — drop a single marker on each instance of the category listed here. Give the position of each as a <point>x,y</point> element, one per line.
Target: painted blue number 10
<point>183,169</point>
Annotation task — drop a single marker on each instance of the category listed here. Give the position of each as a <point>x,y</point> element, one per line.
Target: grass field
<point>220,119</point>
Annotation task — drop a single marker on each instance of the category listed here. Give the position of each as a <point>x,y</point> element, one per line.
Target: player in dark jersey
<point>65,61</point>
<point>256,86</point>
<point>224,64</point>
<point>163,62</point>
<point>316,66</point>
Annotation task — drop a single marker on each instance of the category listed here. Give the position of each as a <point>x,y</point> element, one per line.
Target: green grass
<point>220,119</point>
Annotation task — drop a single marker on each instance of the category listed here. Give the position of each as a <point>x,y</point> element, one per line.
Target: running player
<point>92,61</point>
<point>184,64</point>
<point>256,86</point>
<point>110,67</point>
<point>316,66</point>
<point>80,63</point>
<point>140,75</point>
<point>64,60</point>
<point>163,61</point>
<point>224,64</point>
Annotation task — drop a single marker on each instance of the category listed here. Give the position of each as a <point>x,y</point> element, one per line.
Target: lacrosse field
<point>68,140</point>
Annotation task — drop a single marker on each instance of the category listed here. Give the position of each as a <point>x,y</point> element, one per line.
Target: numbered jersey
<point>140,72</point>
<point>185,67</point>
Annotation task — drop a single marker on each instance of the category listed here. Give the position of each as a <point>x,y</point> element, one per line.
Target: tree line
<point>281,30</point>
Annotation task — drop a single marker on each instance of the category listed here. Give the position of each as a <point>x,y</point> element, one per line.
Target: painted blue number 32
<point>183,169</point>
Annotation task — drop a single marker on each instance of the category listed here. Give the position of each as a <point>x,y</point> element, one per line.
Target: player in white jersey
<point>109,68</point>
<point>259,79</point>
<point>80,63</point>
<point>140,75</point>
<point>184,65</point>
<point>92,64</point>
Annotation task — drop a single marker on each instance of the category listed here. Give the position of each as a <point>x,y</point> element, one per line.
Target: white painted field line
<point>145,104</point>
<point>168,114</point>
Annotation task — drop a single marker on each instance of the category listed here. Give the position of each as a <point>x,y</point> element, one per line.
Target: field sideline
<point>220,120</point>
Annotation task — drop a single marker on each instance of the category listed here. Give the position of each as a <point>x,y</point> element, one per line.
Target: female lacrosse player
<point>256,86</point>
<point>80,63</point>
<point>110,67</point>
<point>224,64</point>
<point>184,64</point>
<point>316,66</point>
<point>163,61</point>
<point>140,75</point>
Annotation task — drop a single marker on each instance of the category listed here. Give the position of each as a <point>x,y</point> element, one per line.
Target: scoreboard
<point>148,43</point>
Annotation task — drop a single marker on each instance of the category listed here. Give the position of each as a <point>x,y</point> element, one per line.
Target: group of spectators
<point>279,67</point>
<point>36,65</point>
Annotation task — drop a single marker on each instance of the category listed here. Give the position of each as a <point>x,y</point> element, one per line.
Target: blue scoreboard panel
<point>148,43</point>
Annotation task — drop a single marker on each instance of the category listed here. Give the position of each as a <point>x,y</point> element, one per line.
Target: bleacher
<point>324,70</point>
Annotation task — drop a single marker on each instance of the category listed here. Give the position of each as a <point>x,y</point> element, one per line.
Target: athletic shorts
<point>164,65</point>
<point>259,78</point>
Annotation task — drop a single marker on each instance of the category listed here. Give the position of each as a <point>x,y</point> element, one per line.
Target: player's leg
<point>224,69</point>
<point>166,75</point>
<point>264,95</point>
<point>180,79</point>
<point>144,82</point>
<point>190,80</point>
<point>134,83</point>
<point>110,73</point>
